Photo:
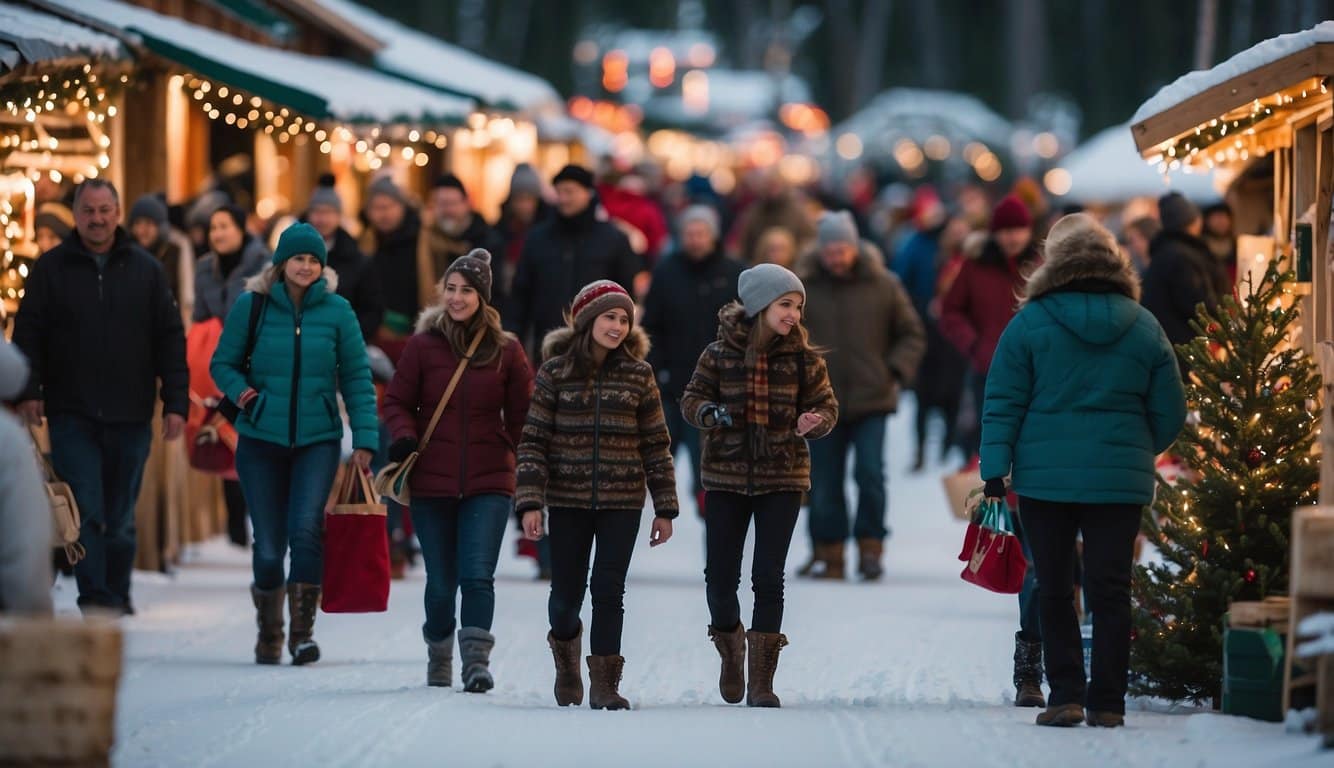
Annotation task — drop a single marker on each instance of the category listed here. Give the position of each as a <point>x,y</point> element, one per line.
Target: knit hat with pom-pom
<point>476,269</point>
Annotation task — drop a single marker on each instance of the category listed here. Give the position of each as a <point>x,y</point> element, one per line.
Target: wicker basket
<point>58,690</point>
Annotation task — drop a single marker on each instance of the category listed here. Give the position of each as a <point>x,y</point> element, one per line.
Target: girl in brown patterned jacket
<point>759,392</point>
<point>594,440</point>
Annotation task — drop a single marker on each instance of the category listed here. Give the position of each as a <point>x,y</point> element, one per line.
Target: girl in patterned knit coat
<point>759,392</point>
<point>595,441</point>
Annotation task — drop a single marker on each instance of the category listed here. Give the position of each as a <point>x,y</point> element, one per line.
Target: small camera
<point>717,416</point>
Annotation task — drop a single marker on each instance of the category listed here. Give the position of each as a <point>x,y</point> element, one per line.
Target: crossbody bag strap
<point>257,304</point>
<point>453,382</point>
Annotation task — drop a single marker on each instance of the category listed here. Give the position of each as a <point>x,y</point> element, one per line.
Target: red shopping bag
<point>995,558</point>
<point>356,548</point>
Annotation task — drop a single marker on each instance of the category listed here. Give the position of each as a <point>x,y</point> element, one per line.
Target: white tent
<point>1108,169</point>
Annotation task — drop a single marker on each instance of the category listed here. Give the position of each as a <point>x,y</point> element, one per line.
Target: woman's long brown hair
<point>460,335</point>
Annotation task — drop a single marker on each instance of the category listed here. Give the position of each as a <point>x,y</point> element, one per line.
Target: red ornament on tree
<point>1204,548</point>
<point>1254,457</point>
<point>1250,576</point>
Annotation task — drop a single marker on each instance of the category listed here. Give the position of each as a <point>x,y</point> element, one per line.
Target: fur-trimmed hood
<point>557,343</point>
<point>264,281</point>
<point>1079,254</point>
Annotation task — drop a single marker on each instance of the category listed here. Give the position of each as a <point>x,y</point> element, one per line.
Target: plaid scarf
<point>757,405</point>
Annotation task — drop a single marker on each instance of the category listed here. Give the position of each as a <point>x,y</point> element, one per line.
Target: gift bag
<point>356,548</point>
<point>963,488</point>
<point>993,555</point>
<point>66,523</point>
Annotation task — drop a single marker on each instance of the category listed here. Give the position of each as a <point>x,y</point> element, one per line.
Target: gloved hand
<point>402,448</point>
<point>715,415</point>
<point>995,488</point>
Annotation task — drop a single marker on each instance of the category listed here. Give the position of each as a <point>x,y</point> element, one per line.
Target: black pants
<point>572,533</point>
<point>1109,532</point>
<point>236,512</point>
<point>725,522</point>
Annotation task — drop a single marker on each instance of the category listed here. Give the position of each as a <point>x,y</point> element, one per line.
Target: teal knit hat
<point>300,238</point>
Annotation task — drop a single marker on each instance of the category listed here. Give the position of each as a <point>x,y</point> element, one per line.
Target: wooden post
<point>144,123</point>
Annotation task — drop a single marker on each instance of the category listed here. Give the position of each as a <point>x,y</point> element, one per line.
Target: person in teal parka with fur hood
<point>307,348</point>
<point>1083,394</point>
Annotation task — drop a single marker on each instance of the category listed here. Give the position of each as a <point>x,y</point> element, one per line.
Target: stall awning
<point>433,62</point>
<point>29,36</point>
<point>318,87</point>
<point>1247,78</point>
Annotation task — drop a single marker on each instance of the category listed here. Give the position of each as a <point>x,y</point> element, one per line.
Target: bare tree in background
<point>471,20</point>
<point>930,45</point>
<point>512,30</point>
<point>1026,35</point>
<point>860,37</point>
<point>1206,32</point>
<point>1243,13</point>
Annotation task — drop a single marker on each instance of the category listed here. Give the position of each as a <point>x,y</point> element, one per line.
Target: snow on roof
<point>350,92</point>
<point>735,96</point>
<point>1108,168</point>
<point>955,115</point>
<point>430,60</point>
<point>21,27</point>
<point>1194,83</point>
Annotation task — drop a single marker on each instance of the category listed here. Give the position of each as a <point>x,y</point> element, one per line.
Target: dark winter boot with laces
<point>1028,673</point>
<point>604,680</point>
<point>475,646</point>
<point>269,618</point>
<point>763,648</point>
<point>440,662</point>
<point>732,648</point>
<point>569,680</point>
<point>302,600</point>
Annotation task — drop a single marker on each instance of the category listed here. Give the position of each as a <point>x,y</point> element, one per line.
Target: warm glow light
<point>695,92</point>
<point>848,146</point>
<point>1046,145</point>
<point>1057,181</point>
<point>937,147</point>
<point>615,71</point>
<point>661,67</point>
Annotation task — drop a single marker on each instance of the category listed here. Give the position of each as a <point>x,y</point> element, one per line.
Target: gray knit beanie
<point>837,227</point>
<point>525,181</point>
<point>149,207</point>
<point>762,284</point>
<point>382,186</point>
<point>327,197</point>
<point>702,213</point>
<point>1176,212</point>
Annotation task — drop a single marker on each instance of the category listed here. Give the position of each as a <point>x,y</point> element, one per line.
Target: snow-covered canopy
<point>429,60</point>
<point>1107,169</point>
<point>1195,83</point>
<point>735,97</point>
<point>315,85</point>
<point>918,114</point>
<point>28,36</point>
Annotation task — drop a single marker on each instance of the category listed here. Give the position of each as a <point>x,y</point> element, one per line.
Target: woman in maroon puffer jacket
<point>463,484</point>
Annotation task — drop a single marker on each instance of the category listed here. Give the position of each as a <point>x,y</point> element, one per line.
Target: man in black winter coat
<point>563,255</point>
<point>100,328</point>
<point>358,281</point>
<point>395,228</point>
<point>681,318</point>
<point>1182,273</point>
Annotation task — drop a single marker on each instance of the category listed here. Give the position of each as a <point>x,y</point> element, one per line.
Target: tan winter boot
<point>826,562</point>
<point>302,600</point>
<point>269,618</point>
<point>763,648</point>
<point>440,662</point>
<point>604,678</point>
<point>569,682</point>
<point>732,648</point>
<point>1062,715</point>
<point>1104,719</point>
<point>869,552</point>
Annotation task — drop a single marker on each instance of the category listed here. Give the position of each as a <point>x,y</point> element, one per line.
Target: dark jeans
<point>1030,620</point>
<point>725,523</point>
<point>829,461</point>
<point>234,499</point>
<point>104,466</point>
<point>286,489</point>
<point>1109,532</point>
<point>684,434</point>
<point>572,533</point>
<point>460,544</point>
<point>978,387</point>
<point>398,536</point>
<point>922,424</point>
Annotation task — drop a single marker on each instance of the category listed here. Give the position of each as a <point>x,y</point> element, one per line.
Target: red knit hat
<point>1010,213</point>
<point>598,297</point>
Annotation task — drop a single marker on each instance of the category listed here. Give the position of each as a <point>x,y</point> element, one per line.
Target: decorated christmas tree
<point>1222,529</point>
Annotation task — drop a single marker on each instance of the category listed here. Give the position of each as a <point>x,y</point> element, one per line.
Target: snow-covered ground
<point>911,671</point>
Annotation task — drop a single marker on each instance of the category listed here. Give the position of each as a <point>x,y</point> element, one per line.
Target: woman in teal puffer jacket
<point>307,348</point>
<point>1083,394</point>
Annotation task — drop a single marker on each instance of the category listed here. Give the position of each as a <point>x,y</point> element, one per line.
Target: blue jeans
<point>286,490</point>
<point>1030,623</point>
<point>104,465</point>
<point>460,541</point>
<point>684,434</point>
<point>829,505</point>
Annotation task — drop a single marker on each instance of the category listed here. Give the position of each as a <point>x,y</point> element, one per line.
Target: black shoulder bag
<point>226,408</point>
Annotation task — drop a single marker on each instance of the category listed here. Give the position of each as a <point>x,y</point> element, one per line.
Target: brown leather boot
<point>1062,715</point>
<point>732,648</point>
<point>269,618</point>
<point>763,648</point>
<point>604,678</point>
<point>302,600</point>
<point>869,552</point>
<point>1104,719</point>
<point>569,682</point>
<point>826,562</point>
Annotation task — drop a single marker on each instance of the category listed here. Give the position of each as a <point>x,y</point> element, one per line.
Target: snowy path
<point>912,671</point>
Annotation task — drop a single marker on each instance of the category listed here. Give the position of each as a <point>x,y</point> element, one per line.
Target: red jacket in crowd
<point>473,448</point>
<point>981,302</point>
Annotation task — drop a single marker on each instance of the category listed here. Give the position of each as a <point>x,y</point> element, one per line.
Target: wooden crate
<point>1312,588</point>
<point>58,690</point>
<point>1272,612</point>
